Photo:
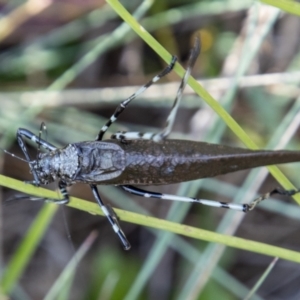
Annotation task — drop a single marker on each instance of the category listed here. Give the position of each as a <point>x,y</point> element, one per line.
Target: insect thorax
<point>99,162</point>
<point>90,162</point>
<point>60,163</point>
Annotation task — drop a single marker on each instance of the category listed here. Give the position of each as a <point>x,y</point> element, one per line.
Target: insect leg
<point>269,194</point>
<point>171,118</point>
<point>123,135</point>
<point>112,218</point>
<point>62,187</point>
<point>66,198</point>
<point>26,133</point>
<point>124,103</point>
<point>42,128</point>
<point>147,194</point>
<point>31,136</point>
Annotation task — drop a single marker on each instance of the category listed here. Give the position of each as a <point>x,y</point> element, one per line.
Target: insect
<point>134,158</point>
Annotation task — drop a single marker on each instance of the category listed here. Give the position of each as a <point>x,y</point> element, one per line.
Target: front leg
<point>63,190</point>
<point>62,187</point>
<point>24,133</point>
<point>21,132</point>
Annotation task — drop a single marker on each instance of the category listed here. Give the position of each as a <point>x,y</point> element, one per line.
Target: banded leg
<point>171,118</point>
<point>240,207</point>
<point>42,128</point>
<point>31,136</point>
<point>62,187</point>
<point>124,103</point>
<point>28,134</point>
<point>112,218</point>
<point>63,190</point>
<point>131,135</point>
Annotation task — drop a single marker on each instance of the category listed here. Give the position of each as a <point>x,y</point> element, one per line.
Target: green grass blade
<point>262,279</point>
<point>25,251</point>
<point>152,222</point>
<point>292,7</point>
<point>69,271</point>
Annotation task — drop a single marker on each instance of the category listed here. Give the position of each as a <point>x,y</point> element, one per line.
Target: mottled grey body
<point>145,162</point>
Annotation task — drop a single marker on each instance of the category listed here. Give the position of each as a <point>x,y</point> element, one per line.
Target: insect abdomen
<point>173,161</point>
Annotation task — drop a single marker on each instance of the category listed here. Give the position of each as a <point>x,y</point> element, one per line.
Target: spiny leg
<point>112,218</point>
<point>171,118</point>
<point>147,194</point>
<point>124,103</point>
